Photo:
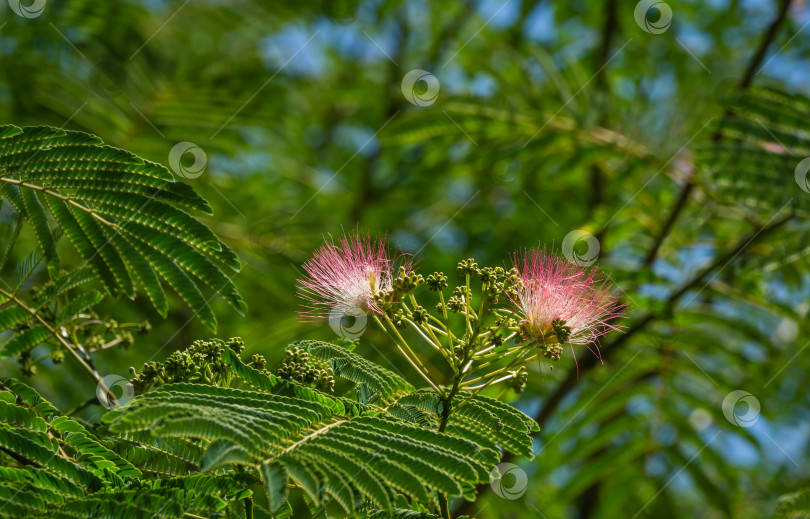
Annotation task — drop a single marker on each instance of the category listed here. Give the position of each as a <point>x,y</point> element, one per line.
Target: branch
<point>686,192</point>
<point>391,104</point>
<point>608,30</point>
<point>87,403</point>
<point>767,39</point>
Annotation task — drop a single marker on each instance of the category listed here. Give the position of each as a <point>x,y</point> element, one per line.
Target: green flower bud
<point>553,352</point>
<point>486,274</point>
<point>561,330</point>
<point>420,315</point>
<point>258,362</point>
<point>467,267</point>
<point>455,304</point>
<point>519,379</point>
<point>436,281</point>
<point>236,344</point>
<point>144,328</point>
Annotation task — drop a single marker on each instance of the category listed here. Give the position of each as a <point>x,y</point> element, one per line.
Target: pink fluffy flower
<point>345,276</point>
<point>555,289</point>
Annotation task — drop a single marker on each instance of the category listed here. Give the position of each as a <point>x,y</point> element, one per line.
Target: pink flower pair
<point>347,275</point>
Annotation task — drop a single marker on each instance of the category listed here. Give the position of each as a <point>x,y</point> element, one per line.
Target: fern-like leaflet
<point>126,218</point>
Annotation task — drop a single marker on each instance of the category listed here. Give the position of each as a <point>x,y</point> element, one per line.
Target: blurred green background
<point>551,117</point>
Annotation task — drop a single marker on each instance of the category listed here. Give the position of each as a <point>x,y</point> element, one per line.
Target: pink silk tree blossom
<point>346,276</point>
<point>556,289</point>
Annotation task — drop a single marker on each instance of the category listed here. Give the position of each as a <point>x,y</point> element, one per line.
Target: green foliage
<point>53,466</point>
<point>189,443</point>
<point>398,514</point>
<point>127,220</point>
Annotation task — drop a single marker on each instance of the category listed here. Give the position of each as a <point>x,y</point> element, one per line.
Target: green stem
<point>435,345</point>
<point>405,344</point>
<point>484,298</point>
<point>484,386</point>
<point>520,356</point>
<point>451,338</point>
<point>445,506</point>
<point>413,361</point>
<point>66,199</point>
<point>467,304</point>
<point>444,502</point>
<point>421,331</point>
<point>444,310</point>
<point>87,403</point>
<point>436,330</point>
<point>425,326</point>
<point>496,356</point>
<point>488,353</point>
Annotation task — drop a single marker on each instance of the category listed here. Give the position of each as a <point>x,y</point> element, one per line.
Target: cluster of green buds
<point>200,363</point>
<point>553,345</point>
<point>85,328</point>
<point>402,286</point>
<point>437,281</point>
<point>296,366</point>
<point>470,329</point>
<point>518,379</point>
<point>404,283</point>
<point>109,333</point>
